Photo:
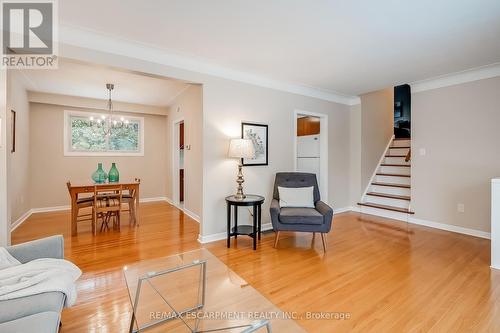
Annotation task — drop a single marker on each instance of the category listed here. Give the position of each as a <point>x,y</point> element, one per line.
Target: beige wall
<point>4,161</point>
<point>377,128</point>
<point>458,128</point>
<point>19,174</point>
<point>226,105</point>
<point>355,190</point>
<point>189,107</point>
<point>50,169</point>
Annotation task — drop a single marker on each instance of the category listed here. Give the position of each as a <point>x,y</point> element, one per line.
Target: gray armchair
<point>318,219</point>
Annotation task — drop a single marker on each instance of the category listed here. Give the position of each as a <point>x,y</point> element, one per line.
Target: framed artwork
<point>258,133</point>
<point>13,131</point>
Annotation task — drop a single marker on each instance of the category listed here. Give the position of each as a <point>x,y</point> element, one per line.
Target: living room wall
<point>226,103</point>
<point>19,161</point>
<point>458,128</point>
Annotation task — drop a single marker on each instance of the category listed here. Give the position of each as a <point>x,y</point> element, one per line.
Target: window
<point>83,137</point>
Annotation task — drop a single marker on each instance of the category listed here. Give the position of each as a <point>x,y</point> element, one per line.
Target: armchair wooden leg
<point>276,239</point>
<point>323,238</point>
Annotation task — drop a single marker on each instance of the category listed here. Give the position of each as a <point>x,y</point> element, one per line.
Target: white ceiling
<point>84,80</point>
<point>345,46</point>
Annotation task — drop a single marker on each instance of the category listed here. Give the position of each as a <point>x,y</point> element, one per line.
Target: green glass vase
<point>99,176</point>
<point>114,175</point>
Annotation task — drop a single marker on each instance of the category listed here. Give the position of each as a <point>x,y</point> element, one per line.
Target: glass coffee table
<point>196,292</point>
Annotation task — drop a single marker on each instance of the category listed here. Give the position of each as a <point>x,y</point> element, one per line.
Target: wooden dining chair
<point>83,202</point>
<point>107,205</point>
<point>129,199</point>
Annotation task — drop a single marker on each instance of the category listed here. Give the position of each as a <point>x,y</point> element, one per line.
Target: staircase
<point>389,192</point>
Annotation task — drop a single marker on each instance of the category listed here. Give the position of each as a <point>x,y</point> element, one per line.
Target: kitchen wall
<point>457,126</point>
<point>377,128</point>
<point>50,169</point>
<point>189,107</point>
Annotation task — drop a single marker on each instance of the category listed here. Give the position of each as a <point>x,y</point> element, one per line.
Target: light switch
<point>461,208</point>
<point>422,151</point>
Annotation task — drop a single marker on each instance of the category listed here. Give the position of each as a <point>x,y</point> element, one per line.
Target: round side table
<point>254,231</point>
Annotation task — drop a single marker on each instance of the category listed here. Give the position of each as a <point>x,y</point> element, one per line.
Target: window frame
<point>67,135</point>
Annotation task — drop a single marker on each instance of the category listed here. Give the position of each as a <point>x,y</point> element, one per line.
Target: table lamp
<point>241,148</point>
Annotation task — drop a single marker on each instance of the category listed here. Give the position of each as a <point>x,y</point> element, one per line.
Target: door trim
<point>323,135</point>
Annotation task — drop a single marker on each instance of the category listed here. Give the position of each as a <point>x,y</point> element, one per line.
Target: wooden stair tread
<point>396,147</point>
<point>395,155</point>
<point>392,174</point>
<point>391,196</point>
<point>402,139</point>
<point>394,209</point>
<point>391,185</point>
<point>396,165</point>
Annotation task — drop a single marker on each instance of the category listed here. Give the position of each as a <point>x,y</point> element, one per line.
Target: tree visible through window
<point>88,137</point>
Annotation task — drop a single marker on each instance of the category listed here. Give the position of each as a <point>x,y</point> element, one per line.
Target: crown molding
<point>470,75</point>
<point>79,37</point>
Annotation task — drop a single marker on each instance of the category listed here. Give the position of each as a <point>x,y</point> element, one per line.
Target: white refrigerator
<point>308,154</point>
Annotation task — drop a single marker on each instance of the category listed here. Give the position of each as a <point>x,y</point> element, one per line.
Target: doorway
<point>402,112</point>
<point>311,147</point>
<point>178,180</point>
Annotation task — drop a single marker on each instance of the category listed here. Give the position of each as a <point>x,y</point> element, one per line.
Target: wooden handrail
<point>408,156</point>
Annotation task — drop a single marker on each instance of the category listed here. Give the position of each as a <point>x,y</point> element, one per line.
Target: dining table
<point>82,187</point>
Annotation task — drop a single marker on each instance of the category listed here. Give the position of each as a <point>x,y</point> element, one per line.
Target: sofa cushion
<point>43,322</point>
<point>300,216</point>
<point>24,306</point>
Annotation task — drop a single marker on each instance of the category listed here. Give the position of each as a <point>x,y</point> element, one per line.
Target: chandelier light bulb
<point>91,118</point>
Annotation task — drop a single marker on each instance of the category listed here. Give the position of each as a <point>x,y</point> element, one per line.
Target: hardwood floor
<point>387,278</point>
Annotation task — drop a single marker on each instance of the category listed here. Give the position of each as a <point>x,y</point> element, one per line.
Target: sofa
<point>38,313</point>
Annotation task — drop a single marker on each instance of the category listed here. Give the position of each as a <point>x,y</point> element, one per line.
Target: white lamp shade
<point>241,148</point>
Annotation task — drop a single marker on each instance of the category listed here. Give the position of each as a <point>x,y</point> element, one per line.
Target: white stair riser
<point>384,213</point>
<point>398,151</point>
<point>387,201</point>
<point>393,169</point>
<point>395,160</point>
<point>401,143</point>
<point>393,180</point>
<point>390,190</point>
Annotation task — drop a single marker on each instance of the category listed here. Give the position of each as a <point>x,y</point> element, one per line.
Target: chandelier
<point>109,122</point>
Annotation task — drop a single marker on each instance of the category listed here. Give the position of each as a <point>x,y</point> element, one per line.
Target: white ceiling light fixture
<point>109,122</point>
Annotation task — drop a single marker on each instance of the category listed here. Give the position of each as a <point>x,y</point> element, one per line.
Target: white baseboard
<point>154,199</point>
<point>452,228</point>
<point>191,214</point>
<point>494,267</point>
<point>223,235</point>
<point>413,220</point>
<point>20,220</point>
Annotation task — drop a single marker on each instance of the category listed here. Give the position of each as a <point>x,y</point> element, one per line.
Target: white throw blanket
<point>36,277</point>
